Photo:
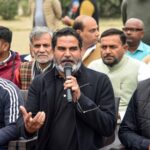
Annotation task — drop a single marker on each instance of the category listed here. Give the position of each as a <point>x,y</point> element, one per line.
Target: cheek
<point>119,55</point>
<point>49,51</point>
<point>57,55</point>
<point>33,53</point>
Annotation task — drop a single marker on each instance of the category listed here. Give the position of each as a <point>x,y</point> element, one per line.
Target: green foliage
<point>24,5</point>
<point>66,4</point>
<point>8,9</point>
<point>110,8</point>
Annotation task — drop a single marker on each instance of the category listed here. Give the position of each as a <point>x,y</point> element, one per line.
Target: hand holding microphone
<point>71,85</point>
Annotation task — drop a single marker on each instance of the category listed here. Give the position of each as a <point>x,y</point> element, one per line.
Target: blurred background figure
<point>86,7</point>
<point>46,13</point>
<point>74,8</point>
<point>134,31</point>
<point>137,9</point>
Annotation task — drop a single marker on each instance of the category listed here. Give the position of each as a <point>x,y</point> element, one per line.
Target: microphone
<point>68,71</point>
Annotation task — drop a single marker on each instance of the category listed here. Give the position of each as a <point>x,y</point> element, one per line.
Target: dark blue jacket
<point>10,100</point>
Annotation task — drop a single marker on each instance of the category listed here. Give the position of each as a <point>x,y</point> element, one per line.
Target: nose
<point>127,31</point>
<point>97,33</point>
<point>107,50</point>
<point>67,53</point>
<point>41,49</point>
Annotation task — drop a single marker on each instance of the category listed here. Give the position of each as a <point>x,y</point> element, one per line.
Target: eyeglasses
<point>132,29</point>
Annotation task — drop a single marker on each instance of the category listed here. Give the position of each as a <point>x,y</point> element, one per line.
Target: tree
<point>8,9</point>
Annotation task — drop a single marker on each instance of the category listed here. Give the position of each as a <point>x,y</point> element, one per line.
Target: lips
<point>108,57</point>
<point>67,61</point>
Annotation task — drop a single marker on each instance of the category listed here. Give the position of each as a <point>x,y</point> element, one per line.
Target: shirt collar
<point>7,59</point>
<point>88,52</point>
<point>140,47</point>
<point>40,69</point>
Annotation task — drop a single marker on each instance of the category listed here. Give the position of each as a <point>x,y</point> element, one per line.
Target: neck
<point>84,48</point>
<point>4,56</point>
<point>133,47</point>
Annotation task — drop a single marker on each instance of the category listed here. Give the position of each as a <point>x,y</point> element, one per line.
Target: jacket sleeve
<point>8,133</point>
<point>128,132</point>
<point>99,113</point>
<point>56,6</point>
<point>11,100</point>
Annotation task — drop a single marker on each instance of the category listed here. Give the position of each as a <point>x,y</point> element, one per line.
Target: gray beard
<point>75,67</point>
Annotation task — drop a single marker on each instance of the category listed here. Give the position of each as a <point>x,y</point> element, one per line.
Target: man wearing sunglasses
<point>134,31</point>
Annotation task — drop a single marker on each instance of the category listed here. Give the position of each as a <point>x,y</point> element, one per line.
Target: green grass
<point>110,23</point>
<point>21,28</point>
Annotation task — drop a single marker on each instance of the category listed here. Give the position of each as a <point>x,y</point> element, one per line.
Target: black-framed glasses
<point>125,29</point>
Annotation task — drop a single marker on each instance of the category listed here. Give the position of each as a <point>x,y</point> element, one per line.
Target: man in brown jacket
<point>46,13</point>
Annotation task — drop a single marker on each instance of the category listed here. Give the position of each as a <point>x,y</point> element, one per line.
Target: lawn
<point>21,28</point>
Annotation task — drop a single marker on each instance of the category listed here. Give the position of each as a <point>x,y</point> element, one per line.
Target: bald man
<point>134,30</point>
<point>88,29</point>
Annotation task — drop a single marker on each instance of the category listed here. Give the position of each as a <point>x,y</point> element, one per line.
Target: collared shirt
<point>142,51</point>
<point>65,114</point>
<point>38,70</point>
<point>88,52</point>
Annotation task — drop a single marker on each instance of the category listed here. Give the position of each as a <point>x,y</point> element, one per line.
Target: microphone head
<point>68,66</point>
<point>68,69</point>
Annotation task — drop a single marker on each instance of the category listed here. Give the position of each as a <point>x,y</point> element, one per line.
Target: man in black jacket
<point>76,125</point>
<point>134,130</point>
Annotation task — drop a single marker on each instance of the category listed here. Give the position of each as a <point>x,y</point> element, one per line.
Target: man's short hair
<point>67,31</point>
<point>5,34</point>
<point>38,31</point>
<point>114,31</point>
<point>78,25</point>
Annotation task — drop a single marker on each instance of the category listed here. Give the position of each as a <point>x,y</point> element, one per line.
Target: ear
<point>126,47</point>
<point>142,34</point>
<point>31,51</point>
<point>78,31</point>
<point>6,46</point>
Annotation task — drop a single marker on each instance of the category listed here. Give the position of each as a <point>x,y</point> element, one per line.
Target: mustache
<point>108,55</point>
<point>68,61</point>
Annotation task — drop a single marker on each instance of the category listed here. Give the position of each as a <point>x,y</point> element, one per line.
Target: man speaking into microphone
<point>74,121</point>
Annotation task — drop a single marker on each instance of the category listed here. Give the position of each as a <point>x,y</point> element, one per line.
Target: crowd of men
<point>72,80</point>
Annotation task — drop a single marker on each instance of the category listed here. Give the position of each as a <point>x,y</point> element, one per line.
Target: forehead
<point>111,39</point>
<point>43,37</point>
<point>90,24</point>
<point>134,24</point>
<point>67,41</point>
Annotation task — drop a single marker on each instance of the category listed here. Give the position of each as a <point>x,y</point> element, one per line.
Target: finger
<point>23,111</point>
<point>39,118</point>
<point>68,77</point>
